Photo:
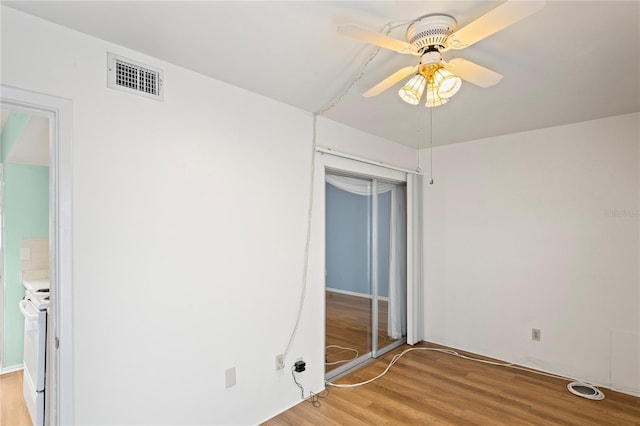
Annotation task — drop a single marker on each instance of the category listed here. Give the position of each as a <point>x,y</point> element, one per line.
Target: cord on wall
<point>314,398</point>
<point>386,29</point>
<point>307,241</point>
<point>315,115</point>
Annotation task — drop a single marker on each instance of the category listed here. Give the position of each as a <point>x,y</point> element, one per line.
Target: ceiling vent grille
<point>133,77</point>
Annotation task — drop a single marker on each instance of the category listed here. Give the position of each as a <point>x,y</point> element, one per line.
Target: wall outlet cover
<point>279,362</point>
<point>230,377</point>
<point>535,334</point>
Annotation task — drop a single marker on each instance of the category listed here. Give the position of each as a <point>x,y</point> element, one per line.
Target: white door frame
<point>59,377</point>
<point>325,161</point>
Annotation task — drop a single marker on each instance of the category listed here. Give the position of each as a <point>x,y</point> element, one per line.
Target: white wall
<point>539,230</point>
<point>341,138</point>
<point>189,223</point>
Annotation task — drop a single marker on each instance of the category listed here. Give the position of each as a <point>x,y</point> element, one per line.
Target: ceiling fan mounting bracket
<point>431,30</point>
<point>431,55</point>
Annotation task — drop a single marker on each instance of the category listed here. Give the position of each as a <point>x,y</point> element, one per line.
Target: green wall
<point>26,215</point>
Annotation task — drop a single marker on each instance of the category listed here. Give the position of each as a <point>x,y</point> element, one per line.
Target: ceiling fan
<point>431,35</point>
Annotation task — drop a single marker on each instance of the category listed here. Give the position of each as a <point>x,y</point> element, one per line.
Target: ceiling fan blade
<point>473,73</point>
<point>390,81</point>
<point>506,14</point>
<point>359,33</point>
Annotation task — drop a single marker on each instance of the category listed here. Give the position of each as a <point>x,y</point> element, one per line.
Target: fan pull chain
<point>418,132</point>
<point>431,146</point>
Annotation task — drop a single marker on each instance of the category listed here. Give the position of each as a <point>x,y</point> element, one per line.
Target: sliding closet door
<point>349,311</point>
<point>366,296</point>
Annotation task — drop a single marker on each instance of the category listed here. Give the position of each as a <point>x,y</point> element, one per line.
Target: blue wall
<point>347,241</point>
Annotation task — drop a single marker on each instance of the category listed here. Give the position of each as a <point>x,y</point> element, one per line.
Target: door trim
<point>374,268</point>
<point>326,162</point>
<point>60,357</point>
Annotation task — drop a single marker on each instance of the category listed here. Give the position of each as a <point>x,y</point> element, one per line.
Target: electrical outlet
<point>535,334</point>
<point>279,362</point>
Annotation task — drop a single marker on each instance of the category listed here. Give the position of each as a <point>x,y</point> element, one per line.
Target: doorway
<point>24,220</point>
<point>59,359</point>
<point>366,269</point>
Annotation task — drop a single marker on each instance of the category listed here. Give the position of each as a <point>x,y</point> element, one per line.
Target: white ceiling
<point>570,62</point>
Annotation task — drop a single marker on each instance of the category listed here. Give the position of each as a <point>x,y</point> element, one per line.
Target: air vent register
<point>133,77</point>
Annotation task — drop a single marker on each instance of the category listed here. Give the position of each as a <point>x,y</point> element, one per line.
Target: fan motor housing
<point>431,30</point>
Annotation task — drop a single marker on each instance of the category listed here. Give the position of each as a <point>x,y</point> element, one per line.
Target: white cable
<point>446,351</point>
<point>364,66</point>
<point>393,361</point>
<point>342,360</point>
<point>307,242</point>
<point>311,181</point>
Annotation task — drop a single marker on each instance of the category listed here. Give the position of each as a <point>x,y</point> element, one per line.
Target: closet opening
<point>365,269</point>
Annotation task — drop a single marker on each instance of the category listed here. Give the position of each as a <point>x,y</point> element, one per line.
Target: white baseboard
<point>11,369</point>
<point>628,391</point>
<point>353,293</point>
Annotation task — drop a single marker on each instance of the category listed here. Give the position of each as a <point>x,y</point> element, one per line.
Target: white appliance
<point>34,309</point>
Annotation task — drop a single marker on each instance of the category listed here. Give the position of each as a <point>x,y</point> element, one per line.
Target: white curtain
<point>357,186</point>
<point>397,316</point>
<point>397,310</point>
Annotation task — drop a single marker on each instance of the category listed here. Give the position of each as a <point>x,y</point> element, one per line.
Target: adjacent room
<point>320,212</point>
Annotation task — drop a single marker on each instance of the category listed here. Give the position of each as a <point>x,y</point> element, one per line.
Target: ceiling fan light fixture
<point>433,97</point>
<point>412,92</point>
<point>429,36</point>
<point>446,83</point>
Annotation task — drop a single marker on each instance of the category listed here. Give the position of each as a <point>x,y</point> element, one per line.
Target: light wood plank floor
<point>348,324</point>
<point>429,388</point>
<point>13,411</point>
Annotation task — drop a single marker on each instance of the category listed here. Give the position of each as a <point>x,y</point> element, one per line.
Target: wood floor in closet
<point>348,325</point>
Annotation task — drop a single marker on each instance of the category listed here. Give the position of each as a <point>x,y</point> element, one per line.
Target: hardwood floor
<point>428,388</point>
<point>348,324</point>
<point>13,411</point>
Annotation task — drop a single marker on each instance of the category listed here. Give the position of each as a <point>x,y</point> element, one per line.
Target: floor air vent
<point>585,390</point>
<point>133,77</point>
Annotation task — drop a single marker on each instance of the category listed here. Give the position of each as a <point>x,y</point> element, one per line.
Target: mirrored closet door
<point>366,285</point>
